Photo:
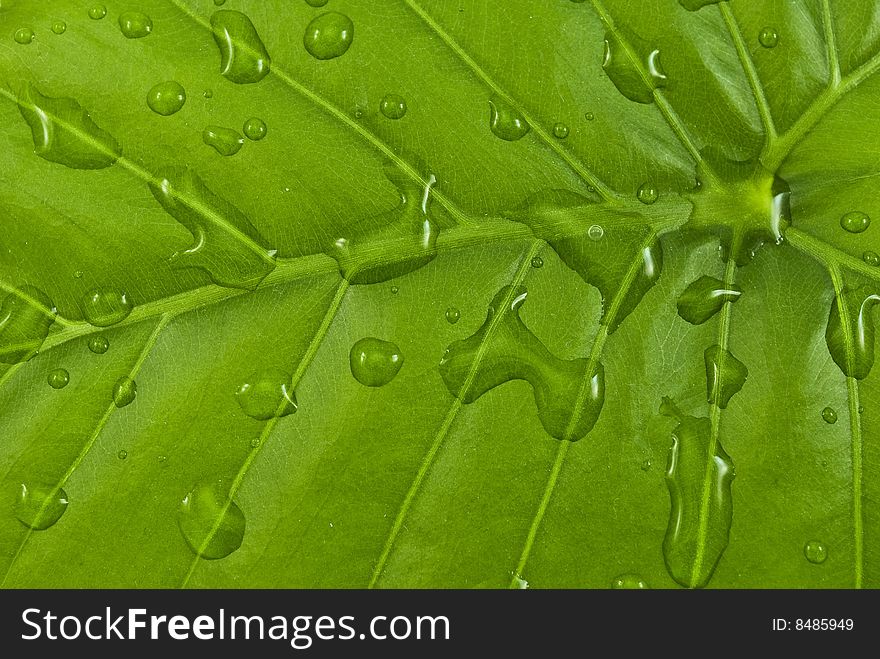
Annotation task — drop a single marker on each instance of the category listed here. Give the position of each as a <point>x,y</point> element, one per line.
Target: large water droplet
<point>25,319</point>
<point>725,375</point>
<point>506,121</point>
<point>704,298</point>
<point>393,106</point>
<point>40,506</point>
<point>124,391</point>
<point>166,98</point>
<point>243,55</point>
<point>225,141</point>
<point>629,582</point>
<point>211,523</point>
<point>855,221</point>
<point>58,378</point>
<point>266,394</point>
<point>23,35</point>
<point>255,129</point>
<point>59,27</point>
<point>329,35</point>
<point>829,415</point>
<point>647,194</point>
<point>103,307</point>
<point>815,552</point>
<point>97,12</point>
<point>768,37</point>
<point>859,306</point>
<point>633,66</point>
<point>375,362</point>
<point>453,315</point>
<point>135,25</point>
<point>99,344</point>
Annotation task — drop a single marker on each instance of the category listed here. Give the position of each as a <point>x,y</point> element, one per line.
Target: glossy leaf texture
<point>420,293</point>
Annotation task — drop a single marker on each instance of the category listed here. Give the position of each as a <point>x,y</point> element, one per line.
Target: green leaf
<point>392,294</point>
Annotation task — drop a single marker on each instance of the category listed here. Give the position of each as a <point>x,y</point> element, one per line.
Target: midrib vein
<point>440,436</point>
<point>831,43</point>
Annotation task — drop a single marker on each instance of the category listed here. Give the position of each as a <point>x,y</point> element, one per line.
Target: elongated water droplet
<point>855,221</point>
<point>871,258</point>
<point>211,523</point>
<point>266,394</point>
<point>569,398</point>
<point>704,298</point>
<point>255,129</point>
<point>629,582</point>
<point>103,307</point>
<point>59,27</point>
<point>243,55</point>
<point>393,106</point>
<point>99,344</point>
<point>166,98</point>
<point>374,362</point>
<point>23,35</point>
<point>647,194</point>
<point>316,3</point>
<point>135,25</point>
<point>537,262</point>
<point>506,122</point>
<point>39,506</point>
<point>124,391</point>
<point>59,378</point>
<point>97,12</point>
<point>453,315</point>
<point>560,131</point>
<point>329,35</point>
<point>219,3</point>
<point>225,141</point>
<point>725,375</point>
<point>63,132</point>
<point>694,5</point>
<point>25,319</point>
<point>768,37</point>
<point>633,66</point>
<point>701,503</point>
<point>829,415</point>
<point>859,305</point>
<point>815,552</point>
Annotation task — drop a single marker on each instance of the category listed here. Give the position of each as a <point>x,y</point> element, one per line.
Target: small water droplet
<point>871,258</point>
<point>646,465</point>
<point>243,56</point>
<point>829,415</point>
<point>537,262</point>
<point>122,455</point>
<point>506,122</point>
<point>589,116</point>
<point>103,307</point>
<point>768,37</point>
<point>395,290</point>
<point>375,362</point>
<point>629,582</point>
<point>255,129</point>
<point>219,3</point>
<point>861,409</point>
<point>255,442</point>
<point>855,221</point>
<point>124,391</point>
<point>560,131</point>
<point>59,27</point>
<point>647,194</point>
<point>329,35</point>
<point>161,459</point>
<point>78,274</point>
<point>99,344</point>
<point>97,12</point>
<point>224,141</point>
<point>40,506</point>
<point>24,35</point>
<point>393,106</point>
<point>815,552</point>
<point>208,93</point>
<point>211,523</point>
<point>453,315</point>
<point>316,3</point>
<point>595,232</point>
<point>358,113</point>
<point>135,25</point>
<point>59,378</point>
<point>166,98</point>
<point>267,394</point>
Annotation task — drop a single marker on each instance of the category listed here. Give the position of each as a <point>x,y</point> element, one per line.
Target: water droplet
<point>135,25</point>
<point>375,362</point>
<point>243,55</point>
<point>589,116</point>
<point>560,131</point>
<point>219,3</point>
<point>829,415</point>
<point>124,391</point>
<point>97,12</point>
<point>537,262</point>
<point>705,297</point>
<point>78,274</point>
<point>871,258</point>
<point>395,290</point>
<point>329,35</point>
<point>453,315</point>
<point>166,98</point>
<point>316,3</point>
<point>633,66</point>
<point>59,27</point>
<point>225,141</point>
<point>521,584</point>
<point>393,106</point>
<point>647,194</point>
<point>25,319</point>
<point>208,93</point>
<point>725,375</point>
<point>24,35</point>
<point>629,582</point>
<point>266,394</point>
<point>861,409</point>
<point>59,378</point>
<point>122,455</point>
<point>255,129</point>
<point>694,5</point>
<point>855,221</point>
<point>859,303</point>
<point>646,465</point>
<point>595,232</point>
<point>255,442</point>
<point>768,37</point>
<point>161,459</point>
<point>211,523</point>
<point>40,506</point>
<point>815,552</point>
<point>99,344</point>
<point>103,307</point>
<point>506,122</point>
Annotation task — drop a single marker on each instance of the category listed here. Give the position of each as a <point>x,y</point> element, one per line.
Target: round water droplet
<point>358,113</point>
<point>316,3</point>
<point>208,93</point>
<point>211,523</point>
<point>768,37</point>
<point>589,116</point>
<point>267,394</point>
<point>255,129</point>
<point>375,362</point>
<point>629,582</point>
<point>646,465</point>
<point>560,131</point>
<point>595,232</point>
<point>255,442</point>
<point>59,378</point>
<point>106,306</point>
<point>161,459</point>
<point>871,258</point>
<point>78,274</point>
<point>395,290</point>
<point>122,455</point>
<point>166,98</point>
<point>829,415</point>
<point>59,27</point>
<point>453,315</point>
<point>135,25</point>
<point>855,221</point>
<point>647,193</point>
<point>815,552</point>
<point>393,106</point>
<point>99,344</point>
<point>23,35</point>
<point>40,506</point>
<point>537,262</point>
<point>329,35</point>
<point>124,391</point>
<point>97,12</point>
<point>224,141</point>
